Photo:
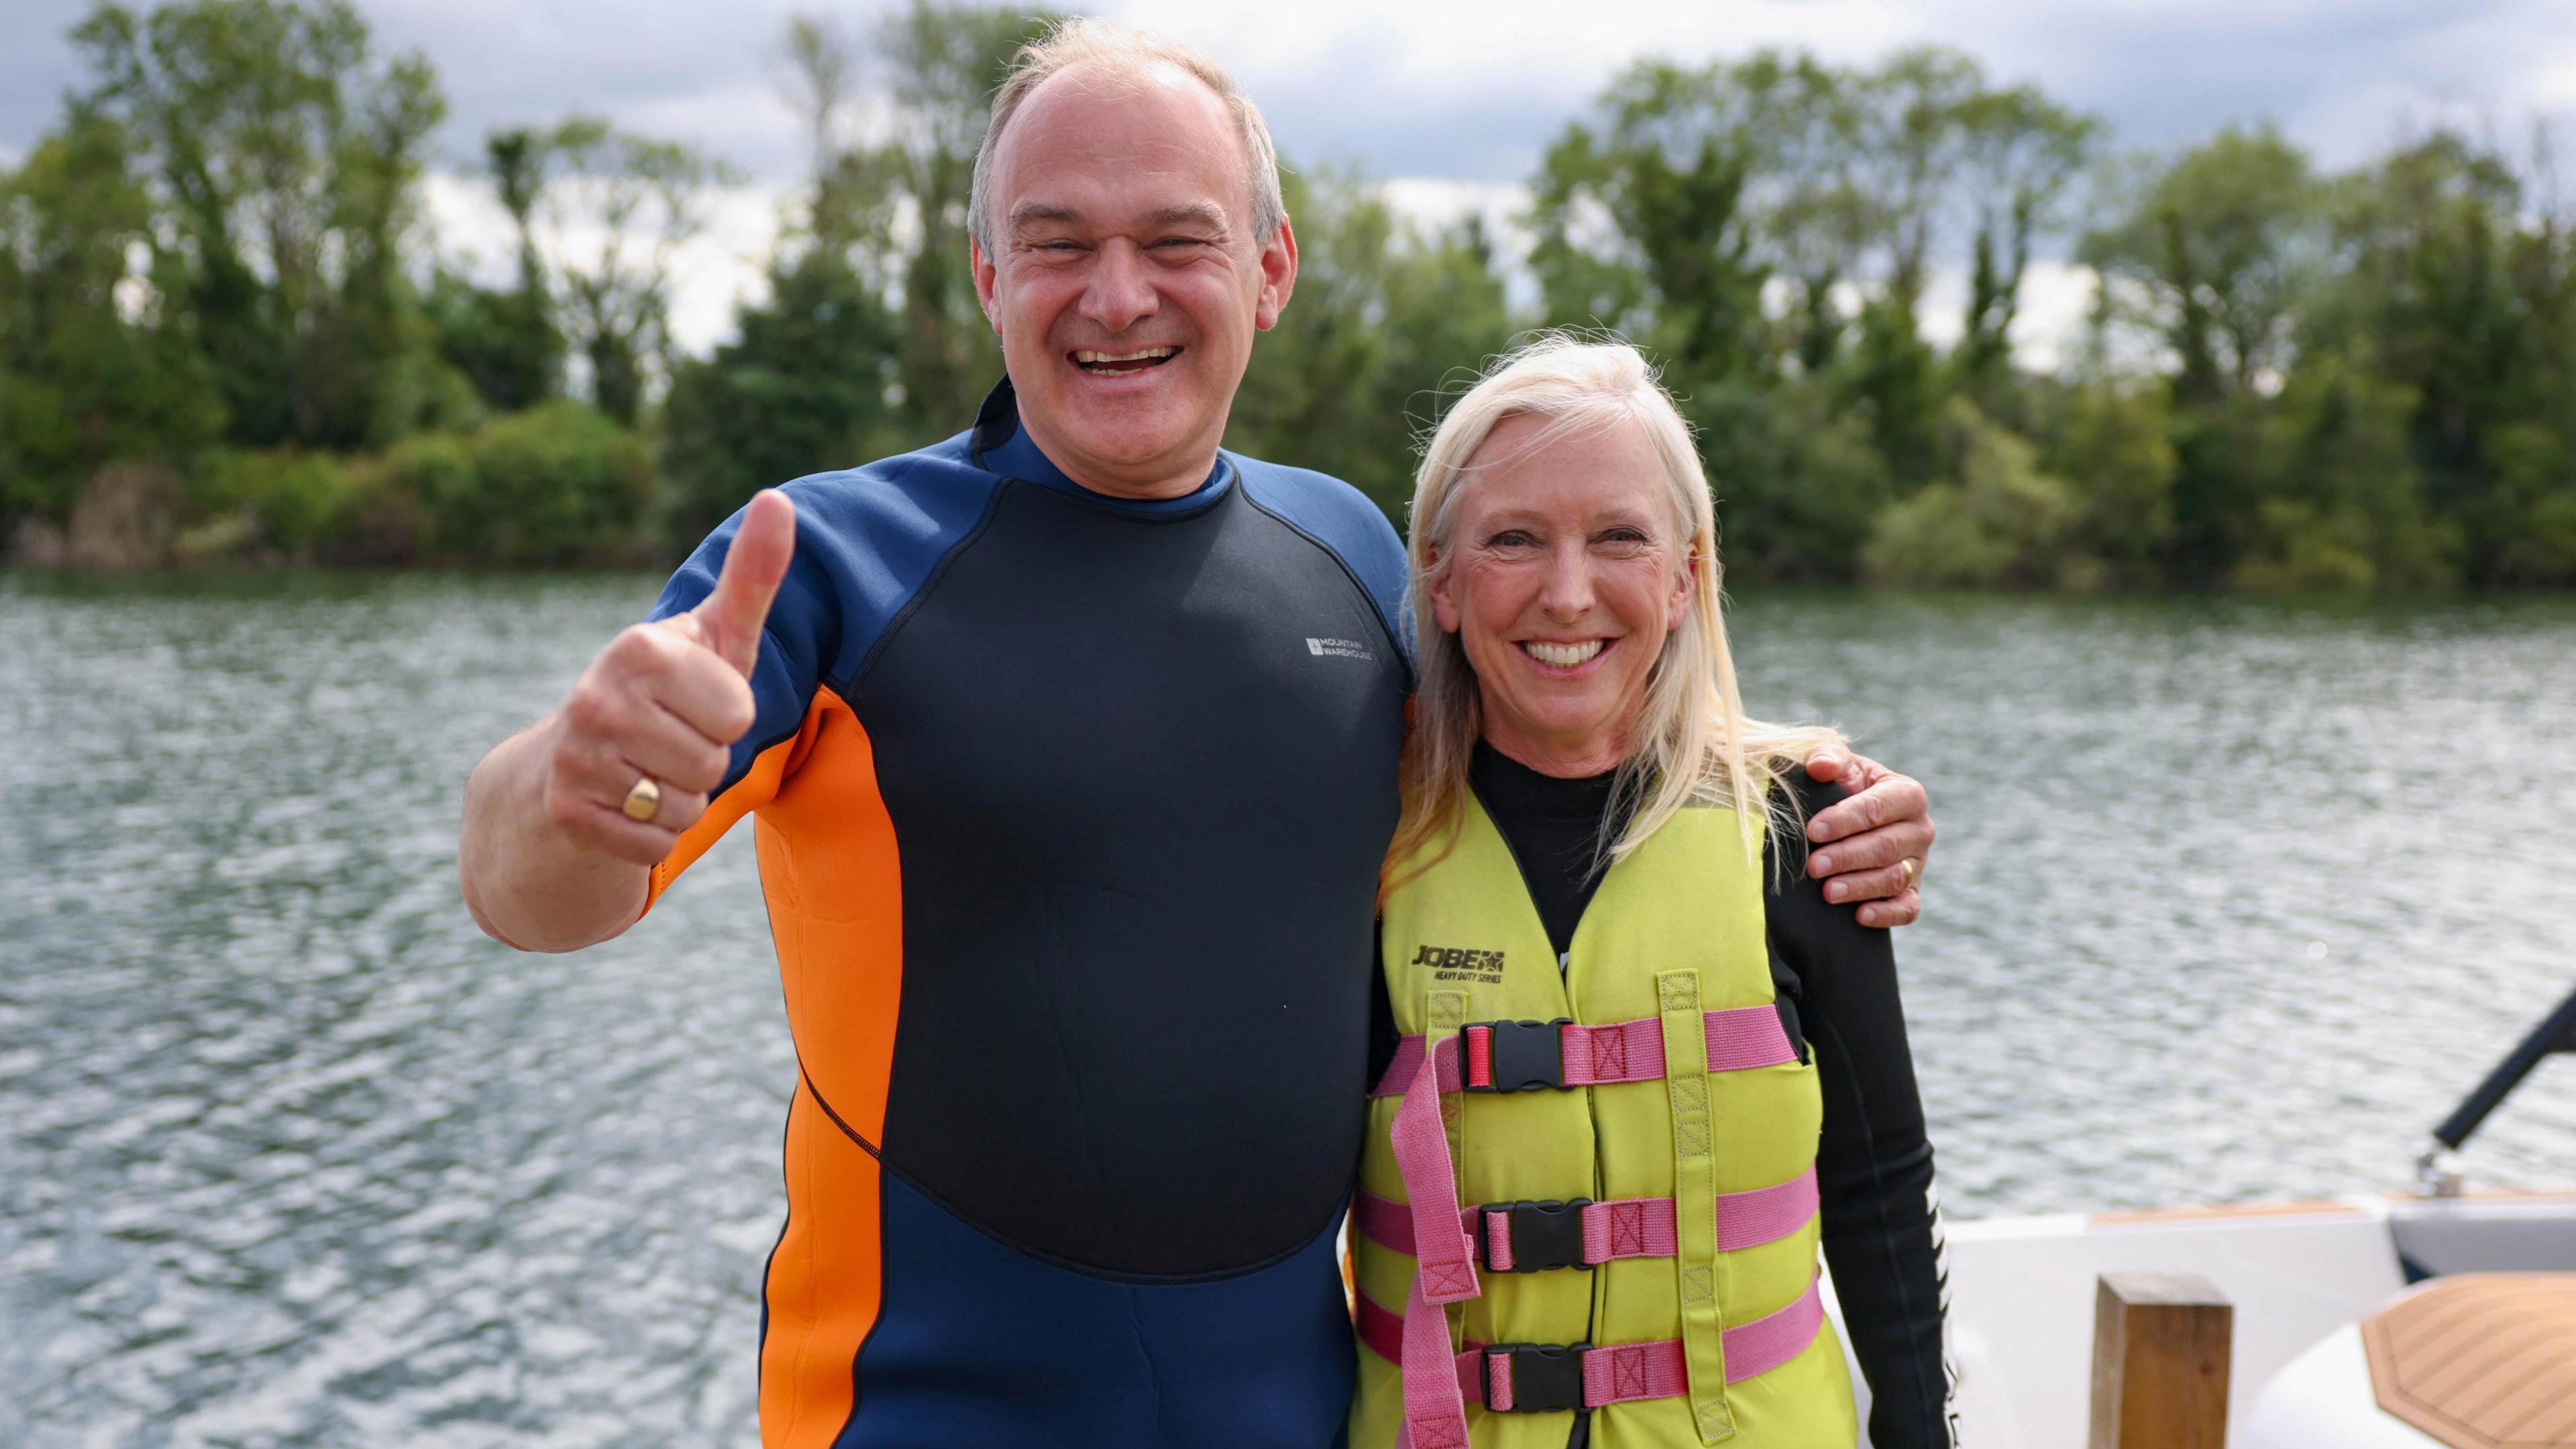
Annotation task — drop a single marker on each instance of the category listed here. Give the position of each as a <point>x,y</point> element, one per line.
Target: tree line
<point>227,332</point>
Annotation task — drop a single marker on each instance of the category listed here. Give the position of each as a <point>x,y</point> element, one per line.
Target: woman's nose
<point>1121,291</point>
<point>1568,590</point>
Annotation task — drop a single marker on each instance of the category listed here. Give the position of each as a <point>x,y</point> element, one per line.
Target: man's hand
<point>666,701</point>
<point>549,860</point>
<point>1886,821</point>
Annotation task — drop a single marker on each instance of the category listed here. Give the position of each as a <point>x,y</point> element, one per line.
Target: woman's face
<point>1566,572</point>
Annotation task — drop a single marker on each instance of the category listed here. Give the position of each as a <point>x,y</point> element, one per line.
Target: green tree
<point>2220,244</point>
<point>943,63</point>
<point>1992,518</point>
<point>2434,285</point>
<point>2533,470</point>
<point>1665,161</point>
<point>2349,512</point>
<point>82,382</point>
<point>2115,448</point>
<point>1386,318</point>
<point>558,484</point>
<point>2214,252</point>
<point>1815,216</point>
<point>505,341</point>
<point>805,388</point>
<point>1797,474</point>
<point>2023,155</point>
<point>636,201</point>
<point>283,159</point>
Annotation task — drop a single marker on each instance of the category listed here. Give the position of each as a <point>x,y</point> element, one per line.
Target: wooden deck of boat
<point>2481,1360</point>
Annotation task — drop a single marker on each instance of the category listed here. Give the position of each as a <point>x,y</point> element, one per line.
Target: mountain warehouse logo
<point>1338,649</point>
<point>1452,963</point>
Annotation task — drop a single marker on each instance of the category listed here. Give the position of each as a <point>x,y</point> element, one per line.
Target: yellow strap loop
<point>1697,1265</point>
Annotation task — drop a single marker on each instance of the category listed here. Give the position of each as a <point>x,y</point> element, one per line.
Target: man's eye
<point>1177,243</point>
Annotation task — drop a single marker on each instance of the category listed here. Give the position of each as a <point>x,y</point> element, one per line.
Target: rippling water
<point>2231,901</point>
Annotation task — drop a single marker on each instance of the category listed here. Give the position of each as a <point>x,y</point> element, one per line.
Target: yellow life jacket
<point>1638,1244</point>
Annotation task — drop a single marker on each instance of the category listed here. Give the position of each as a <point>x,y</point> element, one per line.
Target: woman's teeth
<point>1562,656</point>
<point>1086,358</point>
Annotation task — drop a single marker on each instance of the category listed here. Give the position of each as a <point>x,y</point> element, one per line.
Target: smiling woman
<point>1564,554</point>
<point>1575,587</point>
<point>1599,890</point>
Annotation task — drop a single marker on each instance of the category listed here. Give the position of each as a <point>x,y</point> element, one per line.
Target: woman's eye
<point>1509,538</point>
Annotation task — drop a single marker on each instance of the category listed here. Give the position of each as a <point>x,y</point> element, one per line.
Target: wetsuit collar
<point>1001,445</point>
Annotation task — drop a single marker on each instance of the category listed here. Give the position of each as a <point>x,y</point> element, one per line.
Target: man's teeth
<point>1563,656</point>
<point>1089,358</point>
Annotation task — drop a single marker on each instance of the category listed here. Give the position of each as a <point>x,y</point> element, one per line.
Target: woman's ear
<point>1444,604</point>
<point>1685,585</point>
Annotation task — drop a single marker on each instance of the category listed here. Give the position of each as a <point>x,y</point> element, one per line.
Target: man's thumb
<point>730,619</point>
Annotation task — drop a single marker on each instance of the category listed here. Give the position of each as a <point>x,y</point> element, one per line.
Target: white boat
<point>2400,1321</point>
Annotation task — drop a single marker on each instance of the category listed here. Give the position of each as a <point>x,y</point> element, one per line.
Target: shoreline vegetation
<point>229,337</point>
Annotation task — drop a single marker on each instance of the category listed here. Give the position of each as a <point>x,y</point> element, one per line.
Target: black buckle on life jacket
<point>1547,1378</point>
<point>1544,1235</point>
<point>1526,1055</point>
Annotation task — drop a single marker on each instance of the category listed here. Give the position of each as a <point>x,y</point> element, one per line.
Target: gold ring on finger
<point>1908,864</point>
<point>643,801</point>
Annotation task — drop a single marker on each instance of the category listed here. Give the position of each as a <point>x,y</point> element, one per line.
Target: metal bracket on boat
<point>2437,1172</point>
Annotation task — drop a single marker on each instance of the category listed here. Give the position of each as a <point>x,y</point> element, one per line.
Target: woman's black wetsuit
<point>1836,980</point>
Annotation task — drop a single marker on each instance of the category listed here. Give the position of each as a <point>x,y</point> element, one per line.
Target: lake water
<point>2232,901</point>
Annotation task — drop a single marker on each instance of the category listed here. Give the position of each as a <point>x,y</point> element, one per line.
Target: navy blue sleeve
<point>1340,517</point>
<point>867,540</point>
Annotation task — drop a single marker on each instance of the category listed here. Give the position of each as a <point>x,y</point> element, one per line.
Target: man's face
<point>1127,284</point>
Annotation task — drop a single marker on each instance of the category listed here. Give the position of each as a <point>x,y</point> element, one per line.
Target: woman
<point>1625,1030</point>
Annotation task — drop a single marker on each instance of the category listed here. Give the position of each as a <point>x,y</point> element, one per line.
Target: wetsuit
<point>1836,982</point>
<point>1069,815</point>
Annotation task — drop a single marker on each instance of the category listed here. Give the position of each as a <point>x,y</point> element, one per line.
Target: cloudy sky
<point>1455,98</point>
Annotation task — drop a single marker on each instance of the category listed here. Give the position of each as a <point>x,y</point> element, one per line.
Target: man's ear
<point>1278,276</point>
<point>985,276</point>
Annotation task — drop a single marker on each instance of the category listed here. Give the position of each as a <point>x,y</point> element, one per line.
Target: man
<point>1073,745</point>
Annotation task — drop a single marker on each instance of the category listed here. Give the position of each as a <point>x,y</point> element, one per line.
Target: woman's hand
<point>1879,838</point>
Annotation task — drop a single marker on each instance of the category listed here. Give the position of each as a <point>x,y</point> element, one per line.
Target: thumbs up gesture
<point>650,726</point>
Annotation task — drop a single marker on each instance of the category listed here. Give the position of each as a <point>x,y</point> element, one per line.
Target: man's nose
<point>1121,291</point>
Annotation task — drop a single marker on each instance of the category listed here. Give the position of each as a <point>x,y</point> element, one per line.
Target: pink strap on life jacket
<point>1445,1271</point>
<point>1739,1038</point>
<point>1629,1227</point>
<point>1615,1373</point>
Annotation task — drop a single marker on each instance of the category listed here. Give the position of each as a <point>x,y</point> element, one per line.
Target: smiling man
<point>1072,744</point>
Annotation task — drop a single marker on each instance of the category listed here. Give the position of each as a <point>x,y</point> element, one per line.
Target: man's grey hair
<point>1129,55</point>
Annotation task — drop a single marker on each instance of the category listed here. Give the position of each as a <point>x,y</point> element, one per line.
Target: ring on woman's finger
<point>643,800</point>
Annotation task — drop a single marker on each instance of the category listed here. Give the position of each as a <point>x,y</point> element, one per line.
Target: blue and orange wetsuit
<point>1069,813</point>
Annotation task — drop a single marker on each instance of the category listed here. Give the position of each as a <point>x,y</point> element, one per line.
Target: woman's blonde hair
<point>1691,743</point>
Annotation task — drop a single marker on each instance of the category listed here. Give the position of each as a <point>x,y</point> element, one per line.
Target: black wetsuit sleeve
<point>1874,1163</point>
<point>1383,1037</point>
